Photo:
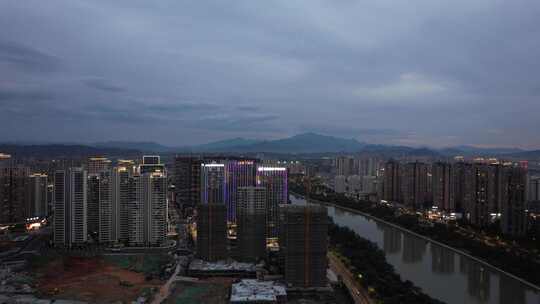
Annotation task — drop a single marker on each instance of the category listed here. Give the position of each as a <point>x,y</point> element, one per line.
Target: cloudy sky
<point>421,72</point>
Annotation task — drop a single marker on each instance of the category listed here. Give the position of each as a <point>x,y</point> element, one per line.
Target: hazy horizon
<point>187,145</point>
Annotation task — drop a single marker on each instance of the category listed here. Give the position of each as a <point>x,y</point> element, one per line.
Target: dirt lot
<point>208,292</point>
<point>92,280</point>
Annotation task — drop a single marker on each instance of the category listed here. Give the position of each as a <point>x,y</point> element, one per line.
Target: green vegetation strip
<point>191,295</point>
<point>368,263</point>
<point>147,264</point>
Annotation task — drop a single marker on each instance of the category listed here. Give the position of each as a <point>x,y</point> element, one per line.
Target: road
<point>165,290</point>
<point>357,292</point>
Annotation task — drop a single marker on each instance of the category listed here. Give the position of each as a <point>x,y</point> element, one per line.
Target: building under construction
<point>187,180</point>
<point>303,245</point>
<point>211,232</point>
<point>251,221</point>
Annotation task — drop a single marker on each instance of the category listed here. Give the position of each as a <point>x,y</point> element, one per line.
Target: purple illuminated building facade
<point>275,180</point>
<point>238,173</point>
<point>213,183</point>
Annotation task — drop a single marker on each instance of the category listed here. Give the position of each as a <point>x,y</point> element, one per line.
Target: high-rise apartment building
<point>212,231</point>
<point>464,188</point>
<point>187,180</point>
<point>275,181</point>
<point>95,165</point>
<point>37,195</point>
<point>414,185</point>
<point>238,173</point>
<point>148,210</point>
<point>514,206</point>
<point>13,198</point>
<point>340,184</point>
<point>345,165</point>
<point>136,224</point>
<point>70,218</point>
<point>443,186</point>
<point>367,166</point>
<point>106,210</point>
<point>213,183</point>
<point>484,195</point>
<point>251,223</point>
<point>500,188</point>
<point>158,209</point>
<point>121,197</point>
<point>534,189</point>
<point>369,184</point>
<point>303,245</point>
<point>391,182</point>
<point>354,184</point>
<point>92,202</point>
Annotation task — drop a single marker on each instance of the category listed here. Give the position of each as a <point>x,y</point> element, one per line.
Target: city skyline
<point>193,73</point>
<point>282,224</point>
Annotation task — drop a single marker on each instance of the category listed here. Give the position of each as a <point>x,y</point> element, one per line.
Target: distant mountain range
<point>224,145</point>
<point>133,145</point>
<point>302,143</point>
<point>306,143</point>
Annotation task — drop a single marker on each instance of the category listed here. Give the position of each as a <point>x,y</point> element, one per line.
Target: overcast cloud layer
<point>422,72</point>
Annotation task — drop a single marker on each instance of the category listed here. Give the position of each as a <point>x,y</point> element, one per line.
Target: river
<point>441,272</point>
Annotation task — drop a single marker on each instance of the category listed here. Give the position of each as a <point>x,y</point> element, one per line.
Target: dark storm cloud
<point>185,115</point>
<point>104,85</point>
<point>248,108</point>
<point>27,58</point>
<point>181,107</point>
<point>180,72</point>
<point>10,95</point>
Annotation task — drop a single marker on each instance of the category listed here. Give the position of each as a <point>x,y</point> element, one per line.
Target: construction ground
<point>209,291</point>
<point>97,279</point>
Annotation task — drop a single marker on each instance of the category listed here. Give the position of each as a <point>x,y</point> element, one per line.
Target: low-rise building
<point>254,292</point>
<point>225,268</point>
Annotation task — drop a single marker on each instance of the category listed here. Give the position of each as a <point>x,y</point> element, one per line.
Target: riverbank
<point>431,240</point>
<point>370,269</point>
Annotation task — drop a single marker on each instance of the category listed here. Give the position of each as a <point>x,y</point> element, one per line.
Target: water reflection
<point>391,240</point>
<point>478,279</point>
<point>339,212</point>
<point>442,260</point>
<point>414,249</point>
<point>511,291</point>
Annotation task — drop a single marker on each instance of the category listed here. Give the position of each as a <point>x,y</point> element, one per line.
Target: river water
<point>441,272</point>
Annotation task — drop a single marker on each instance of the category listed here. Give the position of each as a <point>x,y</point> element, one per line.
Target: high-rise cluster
<point>23,194</point>
<point>482,191</point>
<point>216,180</point>
<point>125,204</point>
<point>358,176</point>
<point>251,198</point>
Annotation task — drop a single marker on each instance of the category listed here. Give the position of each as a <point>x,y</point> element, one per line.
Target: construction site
<point>208,291</point>
<point>98,279</point>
